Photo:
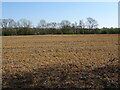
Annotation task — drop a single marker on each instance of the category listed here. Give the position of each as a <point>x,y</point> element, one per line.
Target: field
<point>60,61</point>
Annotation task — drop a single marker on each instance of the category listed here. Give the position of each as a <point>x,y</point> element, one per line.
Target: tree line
<point>25,27</point>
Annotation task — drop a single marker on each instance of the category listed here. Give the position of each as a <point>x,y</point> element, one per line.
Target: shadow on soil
<point>65,76</point>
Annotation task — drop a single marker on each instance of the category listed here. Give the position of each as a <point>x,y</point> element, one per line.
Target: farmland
<point>60,61</point>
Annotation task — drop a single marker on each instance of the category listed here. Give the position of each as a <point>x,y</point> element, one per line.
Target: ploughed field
<point>60,61</point>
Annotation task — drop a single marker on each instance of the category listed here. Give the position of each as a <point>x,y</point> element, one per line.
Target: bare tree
<point>53,24</point>
<point>4,23</point>
<point>65,23</point>
<point>81,24</point>
<point>7,23</point>
<point>42,24</point>
<point>24,23</point>
<point>1,25</point>
<point>74,27</point>
<point>18,24</point>
<point>91,23</point>
<point>11,23</point>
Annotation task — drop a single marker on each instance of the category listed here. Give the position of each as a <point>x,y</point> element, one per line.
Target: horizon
<point>105,13</point>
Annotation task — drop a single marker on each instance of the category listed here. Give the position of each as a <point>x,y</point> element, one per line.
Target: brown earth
<point>60,61</point>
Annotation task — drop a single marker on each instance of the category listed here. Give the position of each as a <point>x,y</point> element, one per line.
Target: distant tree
<point>65,26</point>
<point>81,24</point>
<point>91,23</point>
<point>8,26</point>
<point>11,23</point>
<point>58,25</point>
<point>48,25</point>
<point>24,27</point>
<point>74,27</point>
<point>18,24</point>
<point>0,23</point>
<point>65,23</point>
<point>42,24</point>
<point>104,28</point>
<point>24,23</point>
<point>7,23</point>
<point>51,25</point>
<point>81,27</point>
<point>4,23</point>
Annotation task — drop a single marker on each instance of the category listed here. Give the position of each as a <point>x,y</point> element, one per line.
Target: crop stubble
<point>47,61</point>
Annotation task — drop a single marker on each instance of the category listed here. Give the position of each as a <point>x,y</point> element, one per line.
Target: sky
<point>106,13</point>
